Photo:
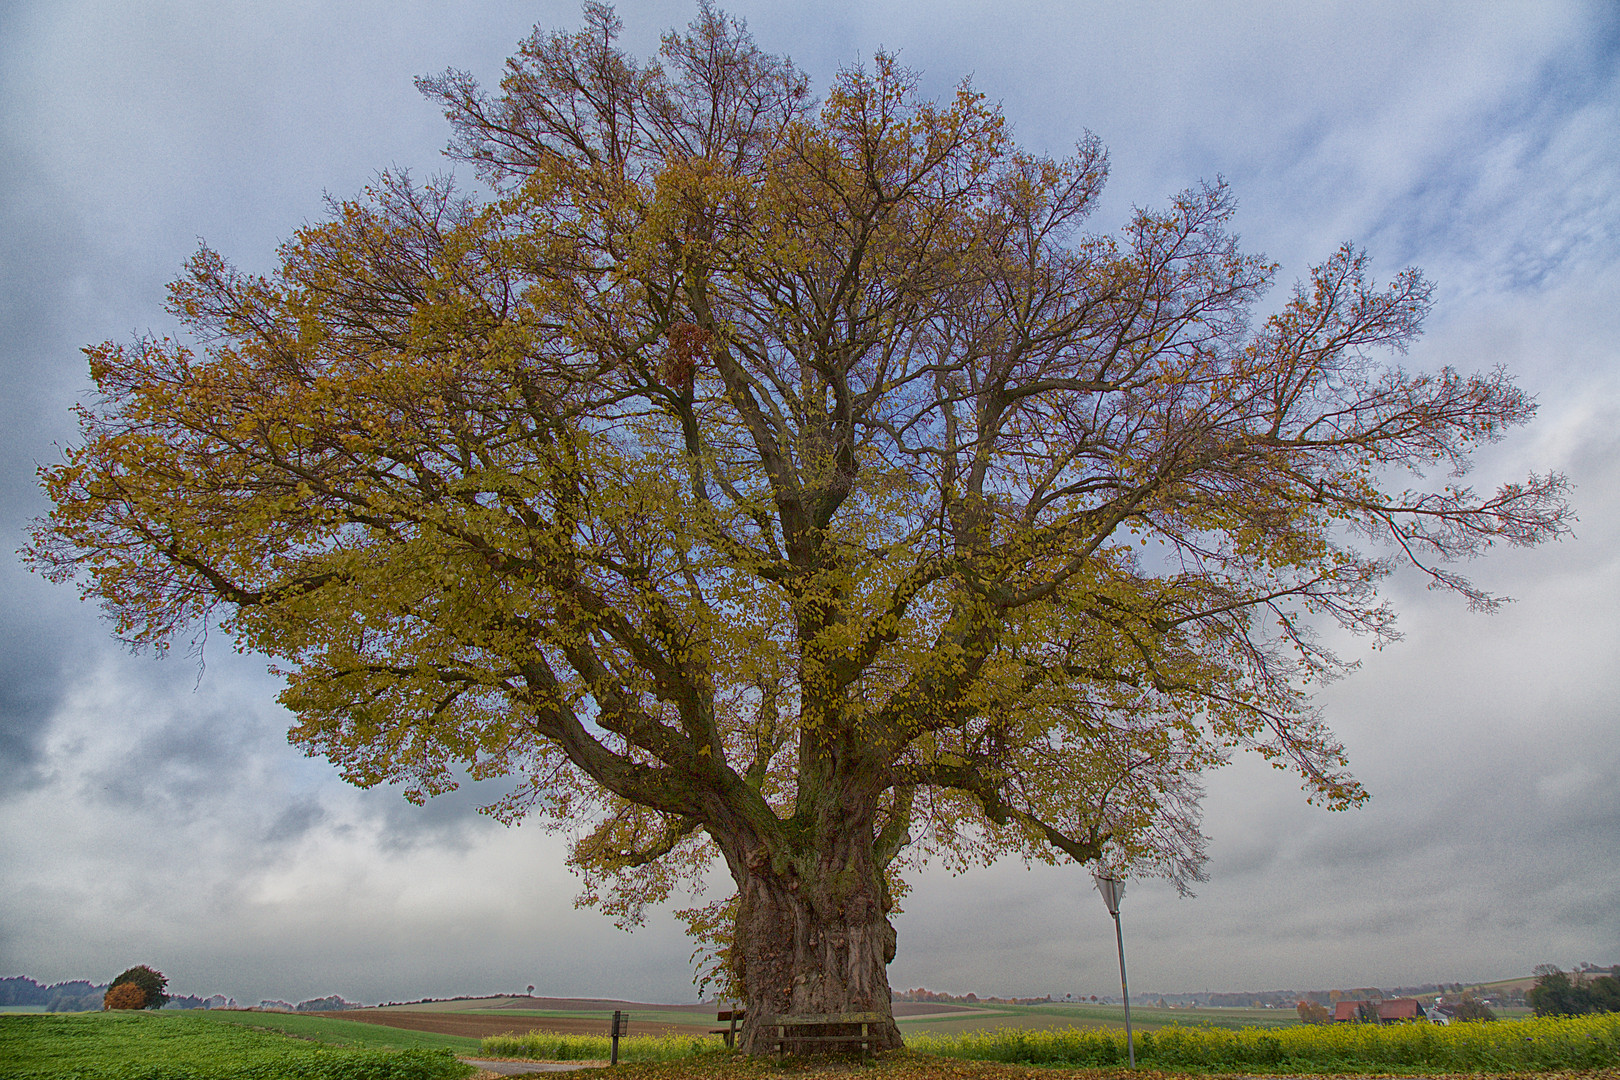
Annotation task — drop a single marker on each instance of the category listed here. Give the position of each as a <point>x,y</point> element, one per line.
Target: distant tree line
<point>922,994</point>
<point>81,995</point>
<point>76,996</point>
<point>335,1003</point>
<point>1560,993</point>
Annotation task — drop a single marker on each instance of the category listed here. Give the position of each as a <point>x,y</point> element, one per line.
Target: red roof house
<point>1347,1012</point>
<point>1399,1009</point>
<point>1388,1012</point>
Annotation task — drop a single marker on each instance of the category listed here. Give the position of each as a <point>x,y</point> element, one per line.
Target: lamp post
<point>1113,891</point>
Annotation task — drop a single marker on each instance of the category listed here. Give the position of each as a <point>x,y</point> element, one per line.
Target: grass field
<point>335,1032</point>
<point>189,1046</point>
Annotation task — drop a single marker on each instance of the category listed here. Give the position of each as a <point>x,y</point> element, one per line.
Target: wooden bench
<point>823,1033</point>
<point>731,1018</point>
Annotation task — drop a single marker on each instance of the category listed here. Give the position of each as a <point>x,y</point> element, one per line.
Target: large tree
<point>150,982</point>
<point>786,481</point>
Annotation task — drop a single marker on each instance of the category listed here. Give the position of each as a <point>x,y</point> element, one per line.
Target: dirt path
<point>528,1068</point>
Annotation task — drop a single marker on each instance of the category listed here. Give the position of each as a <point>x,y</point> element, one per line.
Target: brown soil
<point>590,1005</point>
<point>549,1004</point>
<point>479,1025</point>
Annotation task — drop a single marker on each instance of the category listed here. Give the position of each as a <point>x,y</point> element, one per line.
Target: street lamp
<point>1113,891</point>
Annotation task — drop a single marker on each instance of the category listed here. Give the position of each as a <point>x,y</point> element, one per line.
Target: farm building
<point>1386,1012</point>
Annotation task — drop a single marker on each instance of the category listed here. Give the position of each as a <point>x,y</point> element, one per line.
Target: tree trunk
<point>812,938</point>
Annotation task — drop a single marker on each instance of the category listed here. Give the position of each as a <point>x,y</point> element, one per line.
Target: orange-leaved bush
<point>124,996</point>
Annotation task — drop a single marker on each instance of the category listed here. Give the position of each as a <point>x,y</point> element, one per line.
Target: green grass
<point>185,1046</point>
<point>1585,1042</point>
<point>326,1029</point>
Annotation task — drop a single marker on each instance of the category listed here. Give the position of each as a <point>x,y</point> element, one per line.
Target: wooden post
<point>731,1018</point>
<point>618,1029</point>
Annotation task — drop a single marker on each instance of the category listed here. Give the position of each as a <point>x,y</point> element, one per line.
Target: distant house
<point>1390,1012</point>
<point>1350,1012</point>
<point>1385,1012</point>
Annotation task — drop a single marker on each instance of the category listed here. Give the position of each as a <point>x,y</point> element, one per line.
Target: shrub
<point>1311,1012</point>
<point>150,981</point>
<point>124,996</point>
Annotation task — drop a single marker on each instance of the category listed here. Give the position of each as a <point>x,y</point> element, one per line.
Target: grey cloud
<point>295,821</point>
<point>175,766</point>
<point>31,687</point>
<point>447,820</point>
<point>42,648</point>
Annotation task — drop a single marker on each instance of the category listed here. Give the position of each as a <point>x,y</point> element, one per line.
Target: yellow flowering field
<point>1550,1044</point>
<point>1542,1044</point>
<point>560,1046</point>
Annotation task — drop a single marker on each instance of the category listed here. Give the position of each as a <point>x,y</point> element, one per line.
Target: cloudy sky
<point>152,812</point>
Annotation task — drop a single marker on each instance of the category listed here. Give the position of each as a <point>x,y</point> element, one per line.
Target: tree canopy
<point>1557,994</point>
<point>148,982</point>
<point>789,480</point>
